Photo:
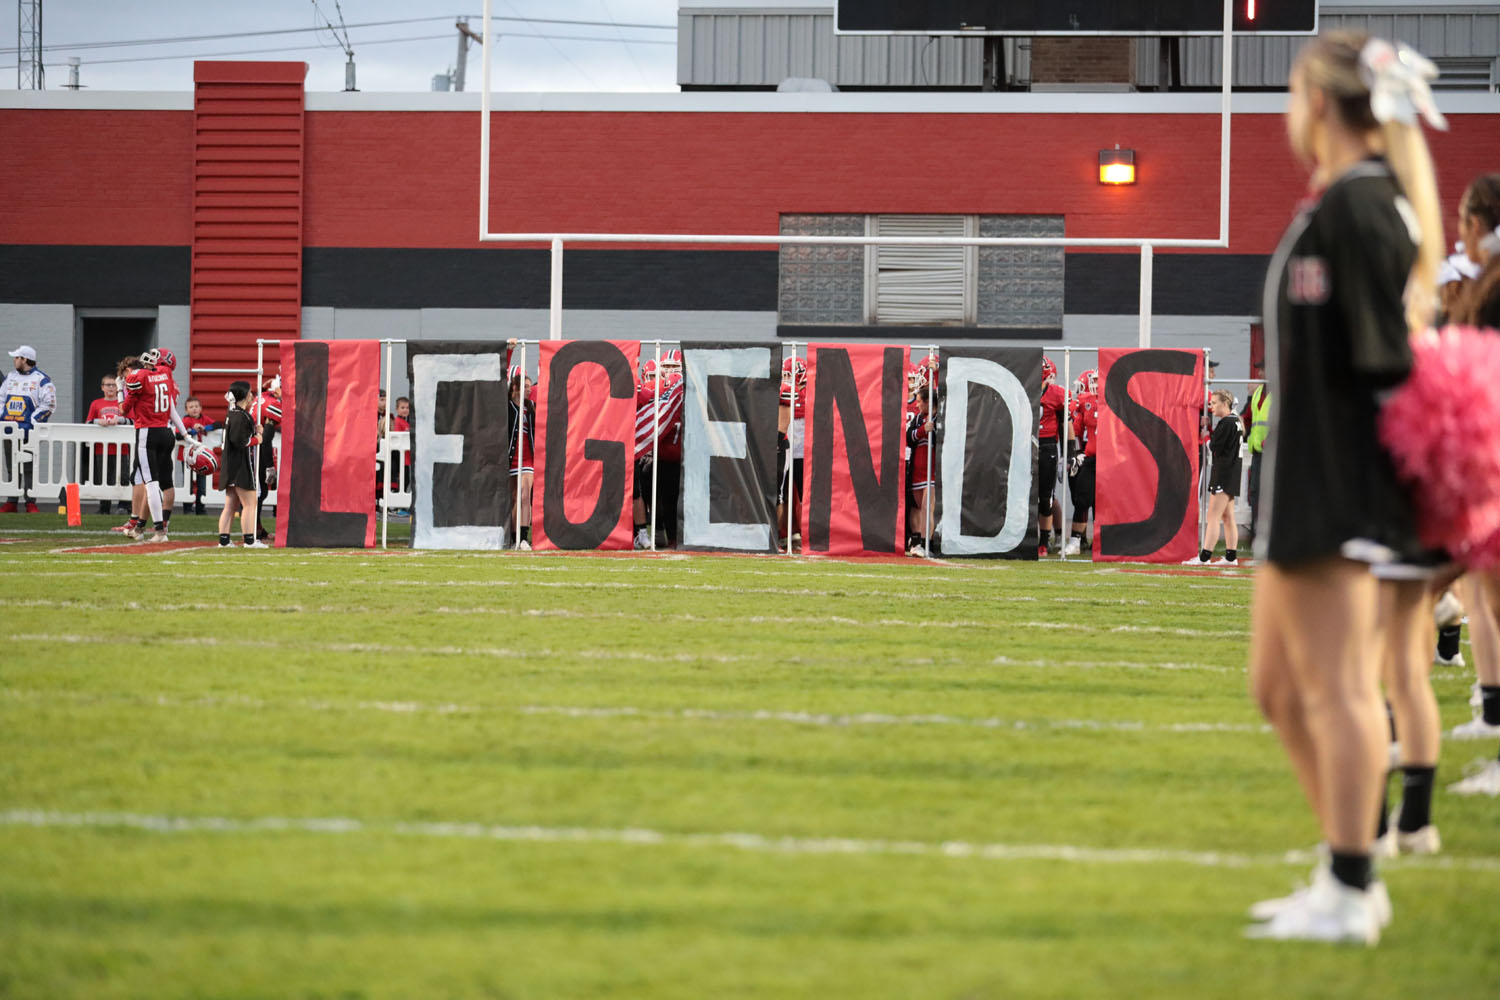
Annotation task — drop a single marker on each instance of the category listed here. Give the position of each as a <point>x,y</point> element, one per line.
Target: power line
<point>73,46</point>
<point>377,41</point>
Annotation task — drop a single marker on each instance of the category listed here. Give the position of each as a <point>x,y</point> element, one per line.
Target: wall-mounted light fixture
<point>1117,166</point>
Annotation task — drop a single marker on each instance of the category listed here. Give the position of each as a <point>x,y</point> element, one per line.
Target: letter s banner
<point>585,444</point>
<point>1147,486</point>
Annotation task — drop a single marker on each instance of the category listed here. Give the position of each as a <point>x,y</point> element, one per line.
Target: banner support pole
<point>1066,528</point>
<point>554,314</point>
<point>1147,258</point>
<point>929,503</point>
<point>520,439</point>
<point>655,439</point>
<point>260,379</point>
<point>791,459</point>
<point>385,434</point>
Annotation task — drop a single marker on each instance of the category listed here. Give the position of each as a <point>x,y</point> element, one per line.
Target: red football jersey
<point>1053,401</point>
<point>149,396</point>
<point>919,440</point>
<point>1086,422</point>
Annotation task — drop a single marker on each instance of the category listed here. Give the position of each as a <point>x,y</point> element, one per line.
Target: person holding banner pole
<point>790,425</point>
<point>919,462</point>
<point>1353,277</point>
<point>1083,428</point>
<point>1054,405</point>
<point>522,452</point>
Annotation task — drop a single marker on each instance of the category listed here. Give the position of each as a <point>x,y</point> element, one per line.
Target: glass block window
<point>1020,286</point>
<point>822,284</point>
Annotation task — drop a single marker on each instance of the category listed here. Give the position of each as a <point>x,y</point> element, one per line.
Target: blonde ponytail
<point>1411,161</point>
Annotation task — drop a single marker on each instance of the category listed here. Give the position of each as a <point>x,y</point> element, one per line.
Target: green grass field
<point>364,774</point>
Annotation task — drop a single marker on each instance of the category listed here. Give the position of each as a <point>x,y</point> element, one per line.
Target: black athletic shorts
<point>1081,488</point>
<point>153,456</point>
<point>1046,475</point>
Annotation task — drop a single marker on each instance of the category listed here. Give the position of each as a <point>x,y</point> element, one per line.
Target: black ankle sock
<point>249,539</point>
<point>1491,696</point>
<point>526,533</point>
<point>1416,798</point>
<point>161,525</point>
<point>1353,870</point>
<point>166,516</point>
<point>223,538</point>
<point>1448,640</point>
<point>1231,554</point>
<point>1204,555</point>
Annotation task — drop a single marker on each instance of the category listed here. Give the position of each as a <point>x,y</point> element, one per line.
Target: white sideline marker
<point>753,842</point>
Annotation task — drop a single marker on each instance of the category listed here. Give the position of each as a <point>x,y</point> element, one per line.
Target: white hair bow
<point>1491,243</point>
<point>1399,79</point>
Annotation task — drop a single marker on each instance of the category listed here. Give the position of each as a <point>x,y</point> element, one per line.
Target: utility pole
<point>29,72</point>
<point>465,35</point>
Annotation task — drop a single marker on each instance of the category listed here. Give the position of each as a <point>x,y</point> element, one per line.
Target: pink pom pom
<point>1441,433</point>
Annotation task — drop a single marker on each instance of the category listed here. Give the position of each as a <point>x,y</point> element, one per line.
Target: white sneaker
<point>523,546</point>
<point>642,539</point>
<point>917,551</point>
<point>1456,660</point>
<point>1474,729</point>
<point>1329,911</point>
<point>1269,909</point>
<point>1484,781</point>
<point>155,536</point>
<point>1195,561</point>
<point>1073,548</point>
<point>1385,847</point>
<point>257,544</point>
<point>1423,841</point>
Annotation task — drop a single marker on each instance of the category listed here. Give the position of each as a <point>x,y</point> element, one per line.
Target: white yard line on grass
<point>752,842</point>
<point>542,652</point>
<point>832,720</point>
<point>82,605</point>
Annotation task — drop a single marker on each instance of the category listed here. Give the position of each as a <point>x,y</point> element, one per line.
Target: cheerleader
<point>1479,226</point>
<point>241,433</point>
<point>1337,327</point>
<point>1223,482</point>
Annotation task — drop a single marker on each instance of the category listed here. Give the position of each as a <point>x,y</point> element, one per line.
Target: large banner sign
<point>854,450</point>
<point>989,404</point>
<point>729,447</point>
<point>585,444</point>
<point>460,443</point>
<point>1147,507</point>
<point>326,495</point>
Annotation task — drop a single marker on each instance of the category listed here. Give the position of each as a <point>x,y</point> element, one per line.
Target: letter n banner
<point>990,402</point>
<point>460,444</point>
<point>1146,506</point>
<point>326,489</point>
<point>855,450</point>
<point>585,444</point>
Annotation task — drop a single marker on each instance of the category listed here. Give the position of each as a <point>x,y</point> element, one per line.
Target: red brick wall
<point>1081,60</point>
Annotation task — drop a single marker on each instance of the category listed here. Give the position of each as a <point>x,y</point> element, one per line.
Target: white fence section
<point>394,458</point>
<point>13,458</point>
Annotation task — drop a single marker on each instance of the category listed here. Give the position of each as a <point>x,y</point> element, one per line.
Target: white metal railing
<point>394,463</point>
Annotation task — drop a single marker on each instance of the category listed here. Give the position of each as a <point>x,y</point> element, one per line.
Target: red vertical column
<point>247,216</point>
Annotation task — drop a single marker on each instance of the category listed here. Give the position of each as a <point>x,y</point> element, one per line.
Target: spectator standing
<point>29,398</point>
<point>1258,428</point>
<point>105,412</point>
<point>198,427</point>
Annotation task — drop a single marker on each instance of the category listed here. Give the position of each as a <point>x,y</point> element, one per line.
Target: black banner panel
<point>1073,17</point>
<point>990,405</point>
<point>729,447</point>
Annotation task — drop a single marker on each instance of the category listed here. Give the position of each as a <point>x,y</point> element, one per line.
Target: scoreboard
<point>1072,17</point>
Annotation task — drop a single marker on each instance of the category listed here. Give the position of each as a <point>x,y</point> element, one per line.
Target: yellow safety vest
<point>1260,417</point>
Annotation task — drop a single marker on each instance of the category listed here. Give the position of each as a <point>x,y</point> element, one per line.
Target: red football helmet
<point>648,369</point>
<point>201,458</point>
<point>916,381</point>
<point>794,369</point>
<point>151,357</point>
<point>1088,382</point>
<point>514,374</point>
<point>165,359</point>
<point>671,361</point>
<point>1049,370</point>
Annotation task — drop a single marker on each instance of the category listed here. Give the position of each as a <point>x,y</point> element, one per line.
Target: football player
<point>1083,439</point>
<point>920,470</point>
<point>659,413</point>
<point>29,399</point>
<point>522,454</point>
<point>266,411</point>
<point>151,404</point>
<point>790,421</point>
<point>1054,401</point>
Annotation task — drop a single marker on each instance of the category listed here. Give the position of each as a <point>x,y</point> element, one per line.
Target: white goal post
<point>557,241</point>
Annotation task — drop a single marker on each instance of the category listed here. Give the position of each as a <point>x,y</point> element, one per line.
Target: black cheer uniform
<point>1336,339</point>
<point>1224,447</point>
<point>235,462</point>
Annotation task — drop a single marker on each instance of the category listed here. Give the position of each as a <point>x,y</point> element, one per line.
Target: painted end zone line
<point>754,842</point>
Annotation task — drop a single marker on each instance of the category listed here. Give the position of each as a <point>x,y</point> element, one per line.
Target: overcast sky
<point>590,58</point>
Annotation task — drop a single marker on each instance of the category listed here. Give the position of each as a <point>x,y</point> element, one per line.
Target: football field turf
<point>362,774</point>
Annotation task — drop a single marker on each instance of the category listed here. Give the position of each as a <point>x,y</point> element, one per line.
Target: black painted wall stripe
<point>497,278</point>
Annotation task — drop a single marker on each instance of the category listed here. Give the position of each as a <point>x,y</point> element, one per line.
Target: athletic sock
<point>1448,641</point>
<point>249,539</point>
<point>526,533</point>
<point>160,525</point>
<point>1231,554</point>
<point>1353,870</point>
<point>166,516</point>
<point>223,539</point>
<point>1416,798</point>
<point>1204,555</point>
<point>1491,696</point>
